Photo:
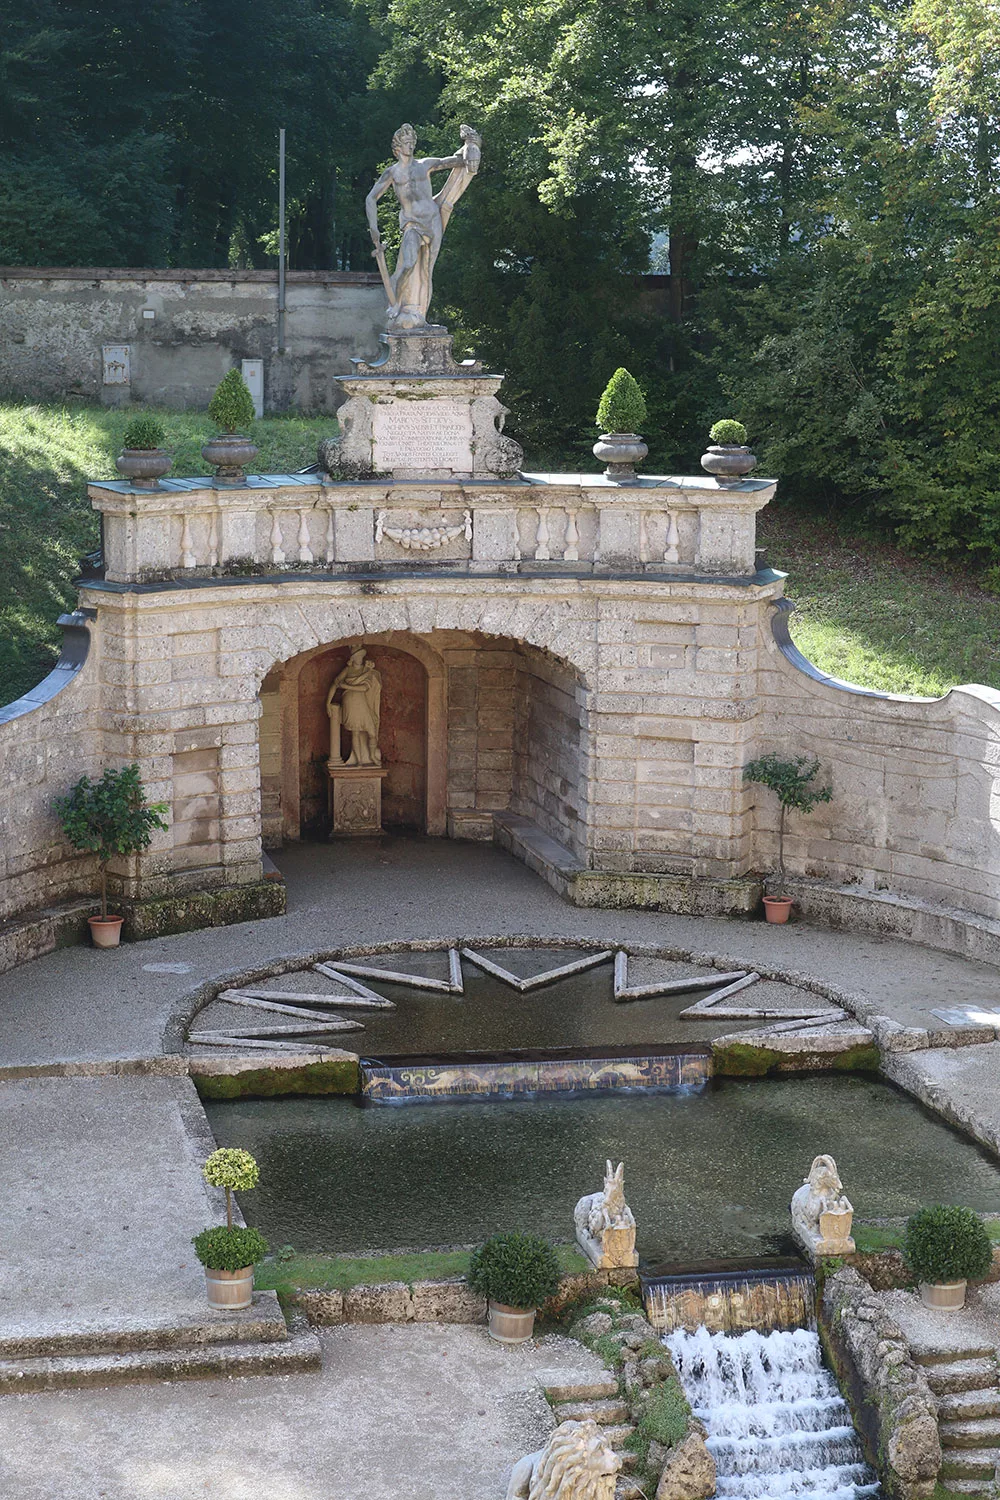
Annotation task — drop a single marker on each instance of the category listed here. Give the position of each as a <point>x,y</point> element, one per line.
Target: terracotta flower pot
<point>777,908</point>
<point>729,462</point>
<point>144,467</point>
<point>511,1325</point>
<point>621,451</point>
<point>229,1290</point>
<point>105,932</point>
<point>946,1296</point>
<point>229,451</point>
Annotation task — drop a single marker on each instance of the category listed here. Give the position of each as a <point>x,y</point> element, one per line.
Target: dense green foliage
<point>791,782</point>
<point>727,432</point>
<point>622,407</point>
<point>518,1270</point>
<point>234,1170</point>
<point>232,404</point>
<point>947,1244</point>
<point>143,431</point>
<point>229,1249</point>
<point>109,817</point>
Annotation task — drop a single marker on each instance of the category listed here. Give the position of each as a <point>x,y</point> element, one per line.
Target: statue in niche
<point>821,1212</point>
<point>359,711</point>
<point>423,218</point>
<point>577,1463</point>
<point>605,1225</point>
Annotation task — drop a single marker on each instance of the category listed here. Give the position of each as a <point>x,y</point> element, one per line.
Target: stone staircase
<point>596,1398</point>
<point>255,1343</point>
<point>966,1384</point>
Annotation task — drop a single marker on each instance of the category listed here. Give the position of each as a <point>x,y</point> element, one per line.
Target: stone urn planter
<point>228,452</point>
<point>729,462</point>
<point>511,1325</point>
<point>778,908</point>
<point>620,451</point>
<point>946,1296</point>
<point>105,932</point>
<point>144,467</point>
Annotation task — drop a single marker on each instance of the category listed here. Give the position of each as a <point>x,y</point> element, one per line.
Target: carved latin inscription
<point>431,434</point>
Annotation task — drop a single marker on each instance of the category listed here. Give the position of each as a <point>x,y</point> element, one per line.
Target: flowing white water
<point>777,1424</point>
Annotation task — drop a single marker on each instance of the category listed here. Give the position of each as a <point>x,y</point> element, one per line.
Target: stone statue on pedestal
<point>605,1225</point>
<point>360,686</point>
<point>423,218</point>
<point>821,1213</point>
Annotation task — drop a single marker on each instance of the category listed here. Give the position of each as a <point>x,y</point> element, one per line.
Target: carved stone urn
<point>229,451</point>
<point>621,451</point>
<point>729,462</point>
<point>144,467</point>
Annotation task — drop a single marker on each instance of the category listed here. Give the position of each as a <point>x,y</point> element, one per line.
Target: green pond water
<point>708,1175</point>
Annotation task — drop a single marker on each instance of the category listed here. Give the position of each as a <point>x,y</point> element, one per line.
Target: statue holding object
<point>359,711</point>
<point>605,1225</point>
<point>822,1213</point>
<point>423,218</point>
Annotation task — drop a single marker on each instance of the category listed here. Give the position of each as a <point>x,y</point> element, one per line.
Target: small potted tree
<point>143,461</point>
<point>109,817</point>
<point>791,782</point>
<point>515,1272</point>
<point>229,1252</point>
<point>946,1248</point>
<point>620,414</point>
<point>230,408</point>
<point>728,458</point>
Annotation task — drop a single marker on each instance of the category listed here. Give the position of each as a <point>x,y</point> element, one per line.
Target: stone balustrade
<point>280,523</point>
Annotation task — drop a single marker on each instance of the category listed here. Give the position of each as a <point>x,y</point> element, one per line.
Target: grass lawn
<point>865,611</point>
<point>340,1272</point>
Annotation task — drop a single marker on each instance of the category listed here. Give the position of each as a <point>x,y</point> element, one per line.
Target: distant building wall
<point>177,333</point>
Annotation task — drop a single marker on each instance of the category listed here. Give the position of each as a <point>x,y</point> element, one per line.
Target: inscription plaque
<point>430,434</point>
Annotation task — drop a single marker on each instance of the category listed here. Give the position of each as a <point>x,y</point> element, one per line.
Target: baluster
<point>643,540</point>
<point>277,554</point>
<point>305,551</point>
<point>671,554</point>
<point>188,559</point>
<point>571,549</point>
<point>542,553</point>
<point>516,549</point>
<point>329,535</point>
<point>213,541</point>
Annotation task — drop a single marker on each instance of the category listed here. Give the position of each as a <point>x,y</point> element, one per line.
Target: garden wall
<point>183,330</point>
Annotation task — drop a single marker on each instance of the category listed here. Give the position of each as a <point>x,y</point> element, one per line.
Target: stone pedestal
<point>355,801</point>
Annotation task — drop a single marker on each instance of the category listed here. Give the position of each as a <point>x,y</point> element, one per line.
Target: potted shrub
<point>790,781</point>
<point>227,1251</point>
<point>109,817</point>
<point>230,408</point>
<point>620,414</point>
<point>946,1248</point>
<point>728,457</point>
<point>143,460</point>
<point>515,1272</point>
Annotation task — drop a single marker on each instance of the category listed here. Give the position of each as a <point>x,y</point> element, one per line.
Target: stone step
<point>298,1353</point>
<point>629,1460</point>
<point>568,1385</point>
<point>618,1433</point>
<point>628,1488</point>
<point>970,1486</point>
<point>264,1322</point>
<point>963,1406</point>
<point>969,1463</point>
<point>938,1354</point>
<point>962,1375</point>
<point>605,1413</point>
<point>979,1433</point>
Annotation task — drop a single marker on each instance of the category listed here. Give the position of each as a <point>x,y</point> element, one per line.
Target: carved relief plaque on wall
<point>417,435</point>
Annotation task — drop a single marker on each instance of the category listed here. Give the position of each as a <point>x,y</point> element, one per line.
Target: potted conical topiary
<point>231,408</point>
<point>620,414</point>
<point>516,1273</point>
<point>729,459</point>
<point>229,1252</point>
<point>790,781</point>
<point>143,461</point>
<point>946,1248</point>
<point>108,818</point>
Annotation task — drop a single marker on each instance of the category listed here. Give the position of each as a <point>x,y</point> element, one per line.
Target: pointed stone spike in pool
<point>777,1424</point>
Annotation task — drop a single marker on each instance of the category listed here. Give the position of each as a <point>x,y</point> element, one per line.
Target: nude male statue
<point>423,218</point>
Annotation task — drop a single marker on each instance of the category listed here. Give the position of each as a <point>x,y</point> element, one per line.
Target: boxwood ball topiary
<point>729,434</point>
<point>232,405</point>
<point>144,431</point>
<point>623,406</point>
<point>222,1249</point>
<point>947,1244</point>
<point>517,1270</point>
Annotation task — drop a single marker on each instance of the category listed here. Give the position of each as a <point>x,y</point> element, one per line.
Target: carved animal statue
<point>822,1192</point>
<point>608,1209</point>
<point>577,1463</point>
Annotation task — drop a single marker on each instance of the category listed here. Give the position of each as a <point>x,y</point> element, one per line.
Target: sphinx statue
<point>605,1225</point>
<point>821,1212</point>
<point>577,1463</point>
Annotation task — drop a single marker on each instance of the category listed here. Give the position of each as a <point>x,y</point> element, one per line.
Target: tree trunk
<point>781,842</point>
<point>229,1208</point>
<point>104,891</point>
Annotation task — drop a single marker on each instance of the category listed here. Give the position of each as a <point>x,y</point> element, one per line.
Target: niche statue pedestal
<point>355,800</point>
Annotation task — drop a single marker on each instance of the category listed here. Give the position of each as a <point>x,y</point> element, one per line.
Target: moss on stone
<point>334,1076</point>
<point>668,1415</point>
<point>215,908</point>
<point>747,1060</point>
